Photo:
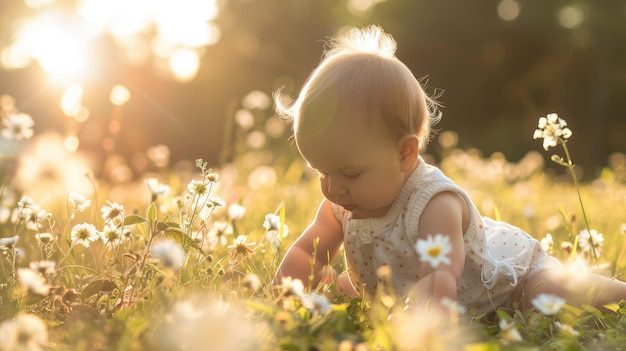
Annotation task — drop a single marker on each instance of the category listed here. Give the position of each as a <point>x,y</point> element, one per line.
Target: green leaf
<point>183,239</point>
<point>134,219</point>
<point>482,347</point>
<point>612,306</point>
<point>152,212</point>
<point>263,307</point>
<point>97,286</point>
<point>162,226</point>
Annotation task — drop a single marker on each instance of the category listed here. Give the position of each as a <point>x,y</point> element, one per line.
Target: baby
<point>361,121</point>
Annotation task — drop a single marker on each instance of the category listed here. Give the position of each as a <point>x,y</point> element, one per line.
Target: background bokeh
<point>187,65</point>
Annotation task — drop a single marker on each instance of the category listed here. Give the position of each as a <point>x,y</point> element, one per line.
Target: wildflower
<point>548,304</point>
<point>33,216</point>
<point>252,282</point>
<point>508,332</point>
<point>200,323</point>
<point>84,233</point>
<point>236,212</point>
<point>622,229</point>
<point>33,281</point>
<point>212,176</point>
<point>156,187</point>
<point>547,243</point>
<point>198,187</point>
<point>44,238</point>
<point>215,201</point>
<point>453,306</point>
<point>217,235</point>
<point>274,239</point>
<point>111,234</point>
<point>25,201</point>
<point>79,201</point>
<point>434,250</point>
<point>17,126</point>
<point>290,286</point>
<point>10,242</point>
<point>552,129</point>
<point>566,329</point>
<point>170,253</point>
<point>273,223</point>
<point>113,213</point>
<point>43,267</point>
<point>315,302</point>
<point>25,332</point>
<point>588,239</point>
<point>240,246</point>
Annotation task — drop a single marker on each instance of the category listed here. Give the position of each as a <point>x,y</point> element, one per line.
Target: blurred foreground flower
<point>17,126</point>
<point>202,323</point>
<point>26,332</point>
<point>315,302</point>
<point>591,239</point>
<point>553,130</point>
<point>33,281</point>
<point>236,212</point>
<point>434,250</point>
<point>170,253</point>
<point>548,304</point>
<point>547,243</point>
<point>566,329</point>
<point>508,332</point>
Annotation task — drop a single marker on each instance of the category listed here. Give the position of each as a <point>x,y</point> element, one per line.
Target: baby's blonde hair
<point>362,67</point>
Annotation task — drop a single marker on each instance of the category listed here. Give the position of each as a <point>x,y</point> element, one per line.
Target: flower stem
<point>570,166</point>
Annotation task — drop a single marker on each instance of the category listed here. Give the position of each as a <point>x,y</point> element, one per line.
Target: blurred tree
<point>502,64</point>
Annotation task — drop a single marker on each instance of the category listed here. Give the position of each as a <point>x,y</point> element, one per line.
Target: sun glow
<point>58,48</point>
<point>59,39</point>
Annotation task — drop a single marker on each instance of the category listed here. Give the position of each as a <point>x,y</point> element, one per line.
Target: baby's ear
<point>408,146</point>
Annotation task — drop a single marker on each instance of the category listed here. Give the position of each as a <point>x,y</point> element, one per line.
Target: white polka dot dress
<point>498,255</point>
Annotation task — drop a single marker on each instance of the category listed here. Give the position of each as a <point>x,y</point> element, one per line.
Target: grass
<point>192,267</point>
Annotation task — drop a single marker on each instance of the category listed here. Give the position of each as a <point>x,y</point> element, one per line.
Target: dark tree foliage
<point>498,76</point>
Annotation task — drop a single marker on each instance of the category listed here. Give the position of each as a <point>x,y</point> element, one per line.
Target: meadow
<point>180,256</point>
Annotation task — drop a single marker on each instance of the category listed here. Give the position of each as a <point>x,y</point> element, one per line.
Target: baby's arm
<point>297,261</point>
<point>448,214</point>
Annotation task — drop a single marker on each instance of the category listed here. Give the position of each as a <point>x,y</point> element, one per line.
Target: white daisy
<point>112,234</point>
<point>290,286</point>
<point>566,329</point>
<point>508,332</point>
<point>156,187</point>
<point>588,239</point>
<point>33,281</point>
<point>79,201</point>
<point>236,212</point>
<point>84,234</point>
<point>547,243</point>
<point>170,253</point>
<point>198,187</point>
<point>24,332</point>
<point>113,213</point>
<point>17,126</point>
<point>315,302</point>
<point>548,304</point>
<point>434,250</point>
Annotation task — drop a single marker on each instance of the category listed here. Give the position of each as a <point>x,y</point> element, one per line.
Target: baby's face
<point>359,164</point>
